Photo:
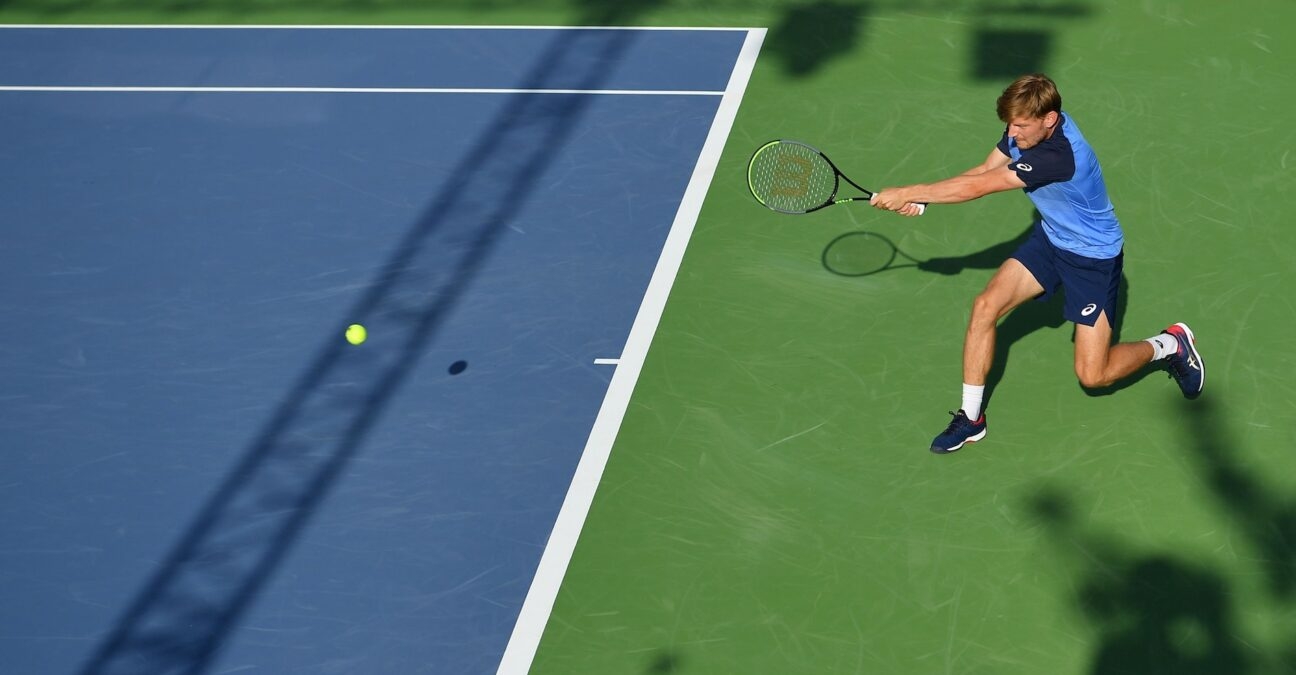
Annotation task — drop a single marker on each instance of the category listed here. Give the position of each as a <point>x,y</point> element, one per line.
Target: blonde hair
<point>1032,96</point>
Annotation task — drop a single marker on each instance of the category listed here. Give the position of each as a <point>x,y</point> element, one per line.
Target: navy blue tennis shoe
<point>959,433</point>
<point>1186,365</point>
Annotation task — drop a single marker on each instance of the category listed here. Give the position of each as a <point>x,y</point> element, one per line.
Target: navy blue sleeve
<point>1049,162</point>
<point>1003,145</point>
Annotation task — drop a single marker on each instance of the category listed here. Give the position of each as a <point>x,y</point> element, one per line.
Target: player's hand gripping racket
<point>792,177</point>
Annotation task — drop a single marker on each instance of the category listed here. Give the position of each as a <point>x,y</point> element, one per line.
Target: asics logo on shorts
<point>1025,167</point>
<point>1088,309</point>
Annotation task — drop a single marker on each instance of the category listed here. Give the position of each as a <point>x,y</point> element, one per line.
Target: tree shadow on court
<point>1155,614</point>
<point>613,12</point>
<point>1160,613</point>
<point>186,611</point>
<point>664,662</point>
<point>1264,516</point>
<point>1007,39</point>
<point>806,37</point>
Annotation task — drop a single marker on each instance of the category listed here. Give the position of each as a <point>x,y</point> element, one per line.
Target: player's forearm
<point>963,188</point>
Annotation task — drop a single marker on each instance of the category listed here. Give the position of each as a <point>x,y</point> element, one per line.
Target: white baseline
<point>361,90</point>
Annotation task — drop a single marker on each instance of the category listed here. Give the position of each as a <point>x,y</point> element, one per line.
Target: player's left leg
<point>1099,363</point>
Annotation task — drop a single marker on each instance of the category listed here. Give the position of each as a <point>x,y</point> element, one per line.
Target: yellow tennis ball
<point>356,334</point>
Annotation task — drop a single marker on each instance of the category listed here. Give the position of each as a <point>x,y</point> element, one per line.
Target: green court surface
<point>770,505</point>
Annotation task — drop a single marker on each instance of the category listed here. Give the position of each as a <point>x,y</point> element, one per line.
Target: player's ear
<point>1050,119</point>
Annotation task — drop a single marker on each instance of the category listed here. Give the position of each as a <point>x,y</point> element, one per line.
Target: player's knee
<point>985,308</point>
<point>1091,376</point>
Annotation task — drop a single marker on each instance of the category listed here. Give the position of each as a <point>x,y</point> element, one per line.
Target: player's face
<point>1031,131</point>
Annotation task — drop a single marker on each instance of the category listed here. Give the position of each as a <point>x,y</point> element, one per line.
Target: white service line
<point>606,362</point>
<point>539,602</point>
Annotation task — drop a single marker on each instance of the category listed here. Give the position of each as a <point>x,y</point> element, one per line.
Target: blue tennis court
<point>201,473</point>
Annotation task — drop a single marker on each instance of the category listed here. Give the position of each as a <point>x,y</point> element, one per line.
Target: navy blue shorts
<point>1088,285</point>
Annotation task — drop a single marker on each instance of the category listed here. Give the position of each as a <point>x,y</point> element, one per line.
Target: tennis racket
<point>860,254</point>
<point>792,177</point>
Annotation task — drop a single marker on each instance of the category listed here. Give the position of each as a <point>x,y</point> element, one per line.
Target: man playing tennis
<point>1077,246</point>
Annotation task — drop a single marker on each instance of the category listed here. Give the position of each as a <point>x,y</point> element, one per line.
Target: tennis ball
<point>356,334</point>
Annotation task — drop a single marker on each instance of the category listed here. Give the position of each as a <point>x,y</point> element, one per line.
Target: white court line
<point>356,90</point>
<point>214,26</point>
<point>557,555</point>
<point>607,362</point>
<point>536,609</point>
<point>365,90</point>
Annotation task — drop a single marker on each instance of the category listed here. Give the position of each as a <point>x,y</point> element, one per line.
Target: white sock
<point>1163,345</point>
<point>972,394</point>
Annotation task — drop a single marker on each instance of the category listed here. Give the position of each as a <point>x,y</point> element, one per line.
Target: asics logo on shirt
<point>1089,309</point>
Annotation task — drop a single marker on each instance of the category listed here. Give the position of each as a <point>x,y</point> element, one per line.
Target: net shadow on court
<point>185,612</point>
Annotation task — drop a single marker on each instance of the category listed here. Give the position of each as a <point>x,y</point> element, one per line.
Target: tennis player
<point>1076,246</point>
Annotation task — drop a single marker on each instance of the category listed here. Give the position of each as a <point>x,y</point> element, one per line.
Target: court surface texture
<point>611,415</point>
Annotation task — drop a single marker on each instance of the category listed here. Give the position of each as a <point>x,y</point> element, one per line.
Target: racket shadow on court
<point>864,254</point>
<point>861,253</point>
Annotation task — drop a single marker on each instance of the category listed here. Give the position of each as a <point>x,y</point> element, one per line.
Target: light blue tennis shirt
<point>1064,180</point>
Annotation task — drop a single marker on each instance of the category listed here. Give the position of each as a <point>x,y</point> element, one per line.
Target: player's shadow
<point>836,257</point>
<point>197,596</point>
<point>1026,319</point>
<point>1033,315</point>
<point>1037,315</point>
<point>1023,321</point>
<point>1154,614</point>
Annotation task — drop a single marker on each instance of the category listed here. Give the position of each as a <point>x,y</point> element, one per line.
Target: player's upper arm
<point>996,159</point>
<point>998,179</point>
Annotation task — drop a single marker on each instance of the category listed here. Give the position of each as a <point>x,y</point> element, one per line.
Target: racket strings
<point>791,177</point>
